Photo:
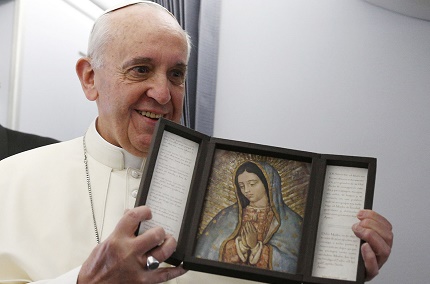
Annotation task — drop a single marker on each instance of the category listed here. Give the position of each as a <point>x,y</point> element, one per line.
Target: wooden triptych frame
<point>206,191</point>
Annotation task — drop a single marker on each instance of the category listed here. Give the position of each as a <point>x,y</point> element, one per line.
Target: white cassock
<point>46,222</point>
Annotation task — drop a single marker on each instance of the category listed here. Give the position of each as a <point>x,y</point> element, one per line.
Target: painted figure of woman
<point>260,229</point>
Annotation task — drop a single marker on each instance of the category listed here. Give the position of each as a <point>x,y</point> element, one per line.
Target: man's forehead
<point>142,46</point>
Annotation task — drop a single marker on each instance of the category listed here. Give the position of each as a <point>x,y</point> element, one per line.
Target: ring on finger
<point>152,263</point>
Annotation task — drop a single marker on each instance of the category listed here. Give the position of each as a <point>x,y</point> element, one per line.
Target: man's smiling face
<point>142,77</point>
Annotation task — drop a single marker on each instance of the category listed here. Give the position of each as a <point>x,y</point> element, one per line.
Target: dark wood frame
<point>196,196</point>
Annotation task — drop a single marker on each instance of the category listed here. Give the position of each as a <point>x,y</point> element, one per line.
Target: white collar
<point>108,154</point>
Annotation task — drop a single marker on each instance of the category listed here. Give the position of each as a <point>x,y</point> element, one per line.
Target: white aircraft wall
<point>49,98</point>
<point>337,77</point>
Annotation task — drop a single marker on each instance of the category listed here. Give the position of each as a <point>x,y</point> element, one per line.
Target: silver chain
<point>90,193</point>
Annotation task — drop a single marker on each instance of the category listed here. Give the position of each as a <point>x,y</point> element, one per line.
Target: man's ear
<point>86,75</point>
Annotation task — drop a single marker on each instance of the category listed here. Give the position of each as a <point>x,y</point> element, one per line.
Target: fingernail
<point>357,228</point>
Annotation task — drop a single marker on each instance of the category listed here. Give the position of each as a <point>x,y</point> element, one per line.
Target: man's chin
<point>140,149</point>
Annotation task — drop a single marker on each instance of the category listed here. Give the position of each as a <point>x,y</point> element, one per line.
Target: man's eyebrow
<point>136,61</point>
<point>181,65</point>
<point>140,60</point>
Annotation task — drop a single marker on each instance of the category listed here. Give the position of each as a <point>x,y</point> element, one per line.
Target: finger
<point>372,220</point>
<point>129,222</point>
<point>377,231</point>
<point>248,227</point>
<point>243,236</point>
<point>253,229</point>
<point>367,213</point>
<point>164,274</point>
<point>165,250</point>
<point>384,232</point>
<point>370,261</point>
<point>149,240</point>
<point>378,245</point>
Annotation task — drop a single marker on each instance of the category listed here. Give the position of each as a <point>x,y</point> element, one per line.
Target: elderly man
<point>62,206</point>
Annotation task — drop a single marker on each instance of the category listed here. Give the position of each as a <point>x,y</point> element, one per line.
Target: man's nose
<point>159,89</point>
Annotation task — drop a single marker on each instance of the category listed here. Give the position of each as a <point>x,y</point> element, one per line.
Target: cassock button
<point>134,193</point>
<point>135,174</point>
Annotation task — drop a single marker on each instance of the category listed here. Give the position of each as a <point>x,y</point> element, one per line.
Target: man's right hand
<point>121,258</point>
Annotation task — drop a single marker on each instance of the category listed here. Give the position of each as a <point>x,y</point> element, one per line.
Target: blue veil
<point>283,237</point>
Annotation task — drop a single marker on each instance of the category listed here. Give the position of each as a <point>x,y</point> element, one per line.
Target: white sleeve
<point>70,277</point>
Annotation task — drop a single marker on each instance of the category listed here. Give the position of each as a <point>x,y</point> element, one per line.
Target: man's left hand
<point>377,233</point>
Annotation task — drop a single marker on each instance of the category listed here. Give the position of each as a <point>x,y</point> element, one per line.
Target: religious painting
<point>253,211</point>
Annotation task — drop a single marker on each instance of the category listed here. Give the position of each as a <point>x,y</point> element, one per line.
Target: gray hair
<point>101,34</point>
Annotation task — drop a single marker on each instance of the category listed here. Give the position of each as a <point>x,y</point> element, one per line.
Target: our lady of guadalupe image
<point>259,229</point>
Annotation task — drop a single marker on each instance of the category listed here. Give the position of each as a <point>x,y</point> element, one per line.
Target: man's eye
<point>140,69</point>
<point>178,73</point>
<point>177,77</point>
